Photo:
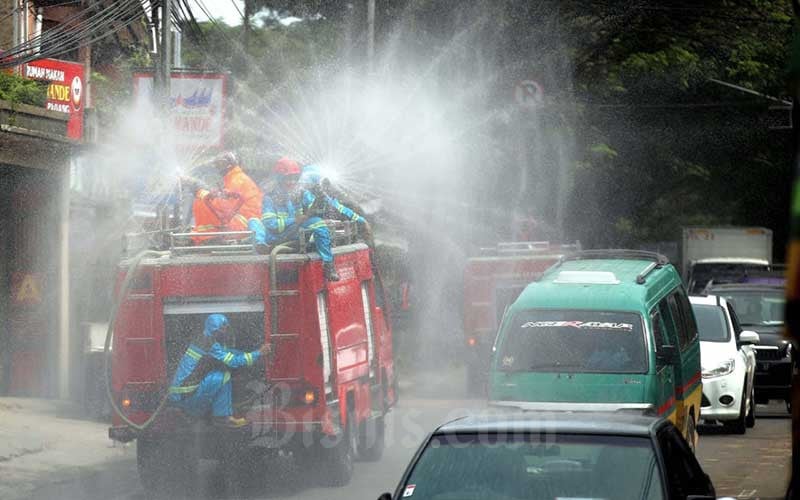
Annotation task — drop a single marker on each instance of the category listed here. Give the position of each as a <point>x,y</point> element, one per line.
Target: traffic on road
<point>399,250</point>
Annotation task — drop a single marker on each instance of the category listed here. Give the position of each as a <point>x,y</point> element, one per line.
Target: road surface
<point>750,466</point>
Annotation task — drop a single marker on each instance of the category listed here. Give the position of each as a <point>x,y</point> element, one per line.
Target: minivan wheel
<point>750,421</point>
<point>739,426</point>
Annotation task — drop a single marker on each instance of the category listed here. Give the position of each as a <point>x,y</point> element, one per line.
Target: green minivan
<point>602,330</point>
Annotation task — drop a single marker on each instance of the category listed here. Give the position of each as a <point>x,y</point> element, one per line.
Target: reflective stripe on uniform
<point>183,390</point>
<point>227,358</point>
<point>226,377</point>
<point>192,353</point>
<point>269,215</point>
<point>355,217</point>
<point>281,224</point>
<point>248,358</point>
<point>318,225</point>
<point>241,218</point>
<point>205,227</point>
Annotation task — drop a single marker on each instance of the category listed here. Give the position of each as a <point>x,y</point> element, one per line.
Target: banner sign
<point>65,92</point>
<point>197,102</point>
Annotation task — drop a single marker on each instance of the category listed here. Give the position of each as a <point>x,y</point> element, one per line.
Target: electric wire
<point>67,36</point>
<point>71,34</point>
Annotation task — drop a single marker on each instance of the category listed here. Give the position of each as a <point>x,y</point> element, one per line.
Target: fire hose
<point>123,293</point>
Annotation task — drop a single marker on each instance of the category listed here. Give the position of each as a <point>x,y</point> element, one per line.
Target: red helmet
<point>286,166</point>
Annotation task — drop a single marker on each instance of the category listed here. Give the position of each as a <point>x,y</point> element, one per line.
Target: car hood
<point>768,335</point>
<point>714,353</point>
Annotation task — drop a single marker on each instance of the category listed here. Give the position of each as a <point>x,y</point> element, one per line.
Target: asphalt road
<point>750,466</point>
<point>755,465</point>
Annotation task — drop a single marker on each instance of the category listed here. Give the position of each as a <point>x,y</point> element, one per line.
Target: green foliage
<point>109,92</point>
<point>657,144</point>
<point>18,90</point>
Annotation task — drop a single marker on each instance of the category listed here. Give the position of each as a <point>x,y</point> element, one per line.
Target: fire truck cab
<point>493,280</point>
<point>320,397</point>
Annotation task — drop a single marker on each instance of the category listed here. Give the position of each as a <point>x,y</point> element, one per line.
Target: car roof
<point>599,284</point>
<point>766,287</point>
<point>618,423</point>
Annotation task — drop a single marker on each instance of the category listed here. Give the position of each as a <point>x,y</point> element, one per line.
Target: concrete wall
<point>34,281</point>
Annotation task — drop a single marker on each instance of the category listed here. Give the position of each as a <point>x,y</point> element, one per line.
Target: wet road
<point>750,466</point>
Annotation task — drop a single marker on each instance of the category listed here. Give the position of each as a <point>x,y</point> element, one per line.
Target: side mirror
<point>668,355</point>
<point>385,496</point>
<point>748,337</point>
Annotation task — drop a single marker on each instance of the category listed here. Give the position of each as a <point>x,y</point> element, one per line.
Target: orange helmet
<point>286,166</point>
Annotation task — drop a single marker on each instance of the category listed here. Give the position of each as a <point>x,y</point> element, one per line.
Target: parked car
<point>760,308</point>
<point>728,363</point>
<point>545,456</point>
<point>603,330</point>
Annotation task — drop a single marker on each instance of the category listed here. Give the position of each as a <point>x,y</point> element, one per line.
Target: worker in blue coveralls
<point>202,380</point>
<point>287,208</point>
<point>316,185</point>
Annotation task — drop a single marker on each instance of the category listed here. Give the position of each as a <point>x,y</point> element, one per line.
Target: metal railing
<point>529,247</point>
<point>229,242</point>
<point>219,242</point>
<point>342,233</point>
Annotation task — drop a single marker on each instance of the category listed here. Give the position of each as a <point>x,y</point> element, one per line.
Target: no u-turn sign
<point>528,94</point>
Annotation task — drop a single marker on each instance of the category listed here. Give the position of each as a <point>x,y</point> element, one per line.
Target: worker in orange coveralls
<point>230,208</point>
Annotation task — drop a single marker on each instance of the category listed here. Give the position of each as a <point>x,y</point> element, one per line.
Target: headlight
<point>723,368</point>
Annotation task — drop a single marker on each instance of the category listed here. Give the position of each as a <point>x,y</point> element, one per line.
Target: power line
<point>66,32</point>
<point>236,5</point>
<point>67,37</point>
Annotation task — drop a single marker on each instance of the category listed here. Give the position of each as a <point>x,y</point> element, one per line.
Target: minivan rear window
<point>573,341</point>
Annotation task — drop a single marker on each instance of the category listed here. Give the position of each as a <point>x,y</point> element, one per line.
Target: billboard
<point>65,92</point>
<point>197,106</point>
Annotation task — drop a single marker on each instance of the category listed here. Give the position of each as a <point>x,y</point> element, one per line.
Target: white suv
<point>728,364</point>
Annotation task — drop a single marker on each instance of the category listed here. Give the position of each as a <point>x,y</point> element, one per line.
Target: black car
<point>533,456</point>
<point>759,307</point>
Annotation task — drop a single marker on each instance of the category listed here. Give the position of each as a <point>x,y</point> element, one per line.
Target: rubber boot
<point>230,422</point>
<point>330,272</point>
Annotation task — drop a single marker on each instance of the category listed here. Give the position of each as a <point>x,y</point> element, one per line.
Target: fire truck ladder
<point>274,299</point>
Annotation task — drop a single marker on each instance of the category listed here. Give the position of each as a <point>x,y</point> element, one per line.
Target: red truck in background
<point>320,397</point>
<point>492,281</point>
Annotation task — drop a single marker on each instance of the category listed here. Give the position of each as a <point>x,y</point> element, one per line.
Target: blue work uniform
<point>202,380</point>
<point>277,223</point>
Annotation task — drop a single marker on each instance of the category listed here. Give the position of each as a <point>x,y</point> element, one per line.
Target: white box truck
<point>723,254</point>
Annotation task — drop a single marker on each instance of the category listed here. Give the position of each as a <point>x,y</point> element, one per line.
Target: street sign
<point>64,90</point>
<point>528,94</point>
<point>197,105</point>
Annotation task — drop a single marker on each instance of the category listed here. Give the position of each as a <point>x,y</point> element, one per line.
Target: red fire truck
<point>320,397</point>
<point>492,281</point>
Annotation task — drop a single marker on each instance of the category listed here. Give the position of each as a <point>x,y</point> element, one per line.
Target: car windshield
<point>574,341</point>
<point>502,466</point>
<point>712,323</point>
<point>757,307</point>
<point>703,274</point>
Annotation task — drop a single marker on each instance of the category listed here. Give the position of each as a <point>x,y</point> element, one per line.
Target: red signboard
<point>65,93</point>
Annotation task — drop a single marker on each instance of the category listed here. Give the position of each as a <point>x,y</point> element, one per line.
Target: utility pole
<point>370,33</point>
<point>164,70</point>
<point>248,13</point>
